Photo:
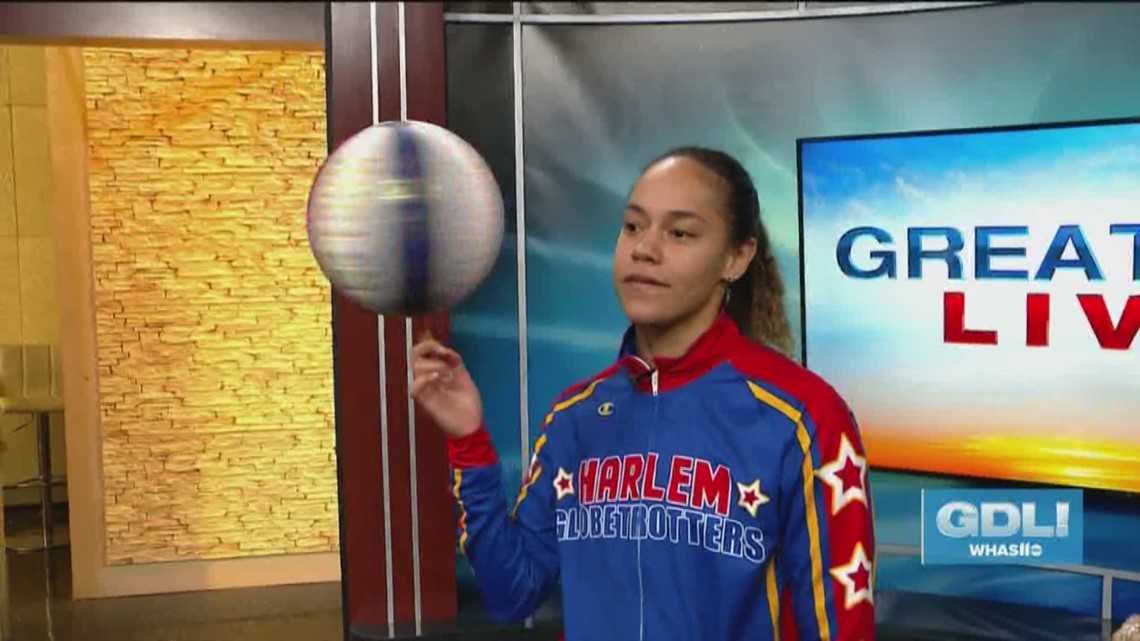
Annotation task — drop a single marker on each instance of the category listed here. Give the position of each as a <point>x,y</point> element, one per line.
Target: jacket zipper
<point>640,580</point>
<point>653,383</point>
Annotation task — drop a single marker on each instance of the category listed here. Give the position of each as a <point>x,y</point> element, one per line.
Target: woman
<point>704,487</point>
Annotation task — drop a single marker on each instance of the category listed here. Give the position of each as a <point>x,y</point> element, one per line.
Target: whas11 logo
<point>1002,526</point>
<point>996,253</point>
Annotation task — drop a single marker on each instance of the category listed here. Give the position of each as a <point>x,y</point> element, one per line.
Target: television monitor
<point>975,296</point>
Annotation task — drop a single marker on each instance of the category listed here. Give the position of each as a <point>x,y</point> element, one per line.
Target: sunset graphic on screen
<point>975,296</point>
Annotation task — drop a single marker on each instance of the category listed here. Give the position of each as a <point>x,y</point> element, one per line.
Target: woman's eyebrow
<point>674,214</point>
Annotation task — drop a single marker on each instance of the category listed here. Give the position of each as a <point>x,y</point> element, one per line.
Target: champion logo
<point>605,409</point>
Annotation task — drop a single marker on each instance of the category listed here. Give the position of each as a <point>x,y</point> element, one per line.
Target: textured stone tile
<point>218,434</point>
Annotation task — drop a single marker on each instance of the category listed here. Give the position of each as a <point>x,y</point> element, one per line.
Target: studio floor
<point>41,609</point>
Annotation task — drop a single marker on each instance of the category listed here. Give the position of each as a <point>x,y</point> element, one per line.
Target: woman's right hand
<point>442,386</point>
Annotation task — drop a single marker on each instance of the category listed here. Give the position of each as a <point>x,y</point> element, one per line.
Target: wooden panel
<point>259,25</point>
<point>362,489</point>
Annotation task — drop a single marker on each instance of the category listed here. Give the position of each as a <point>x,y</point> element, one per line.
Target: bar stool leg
<point>5,618</point>
<point>43,423</point>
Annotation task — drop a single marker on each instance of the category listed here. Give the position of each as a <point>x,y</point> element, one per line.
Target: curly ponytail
<point>756,301</point>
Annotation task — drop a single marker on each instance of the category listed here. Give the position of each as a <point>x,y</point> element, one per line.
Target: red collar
<point>710,349</point>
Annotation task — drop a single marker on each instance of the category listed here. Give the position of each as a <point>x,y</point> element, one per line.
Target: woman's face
<point>673,253</point>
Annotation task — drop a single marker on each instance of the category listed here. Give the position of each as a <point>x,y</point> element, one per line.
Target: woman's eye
<point>680,234</point>
<point>629,228</point>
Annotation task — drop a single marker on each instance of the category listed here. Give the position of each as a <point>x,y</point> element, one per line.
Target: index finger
<point>430,347</point>
<point>426,344</point>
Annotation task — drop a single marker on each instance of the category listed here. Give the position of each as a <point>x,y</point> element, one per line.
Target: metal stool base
<point>45,482</point>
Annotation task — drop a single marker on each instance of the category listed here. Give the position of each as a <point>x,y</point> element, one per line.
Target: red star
<point>751,496</point>
<point>851,475</point>
<point>861,578</point>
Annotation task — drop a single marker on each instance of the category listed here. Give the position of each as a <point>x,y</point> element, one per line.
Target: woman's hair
<point>756,299</point>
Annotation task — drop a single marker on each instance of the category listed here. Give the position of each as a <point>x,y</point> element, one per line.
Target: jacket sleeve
<point>513,553</point>
<point>827,559</point>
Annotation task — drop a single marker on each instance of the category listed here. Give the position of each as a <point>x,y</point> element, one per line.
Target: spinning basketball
<point>405,218</point>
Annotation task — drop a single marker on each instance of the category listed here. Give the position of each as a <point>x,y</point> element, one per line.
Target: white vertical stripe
<point>520,245</point>
<point>922,526</point>
<point>383,370</point>
<point>413,486</point>
<point>1106,599</point>
<point>403,63</point>
<point>375,64</point>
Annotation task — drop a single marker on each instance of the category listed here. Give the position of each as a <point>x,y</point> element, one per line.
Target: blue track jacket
<point>720,496</point>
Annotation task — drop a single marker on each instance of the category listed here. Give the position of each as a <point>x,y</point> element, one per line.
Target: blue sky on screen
<point>839,171</point>
<point>880,341</point>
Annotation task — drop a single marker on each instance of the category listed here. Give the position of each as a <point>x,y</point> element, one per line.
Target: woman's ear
<point>739,260</point>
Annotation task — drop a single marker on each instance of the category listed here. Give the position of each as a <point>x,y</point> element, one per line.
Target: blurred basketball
<point>405,218</point>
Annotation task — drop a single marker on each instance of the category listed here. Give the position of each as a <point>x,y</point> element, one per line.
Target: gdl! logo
<point>1002,527</point>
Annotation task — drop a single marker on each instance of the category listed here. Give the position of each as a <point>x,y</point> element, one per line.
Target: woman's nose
<point>647,248</point>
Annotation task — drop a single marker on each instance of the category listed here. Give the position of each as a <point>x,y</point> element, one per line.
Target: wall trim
<point>800,13</point>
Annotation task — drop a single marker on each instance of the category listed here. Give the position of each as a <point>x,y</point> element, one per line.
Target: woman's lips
<point>644,281</point>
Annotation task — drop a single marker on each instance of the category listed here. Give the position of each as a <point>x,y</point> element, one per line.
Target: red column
<point>401,534</point>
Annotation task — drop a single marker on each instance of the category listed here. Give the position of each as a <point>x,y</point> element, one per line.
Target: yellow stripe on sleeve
<point>773,599</point>
<point>462,512</point>
<point>810,512</point>
<point>536,470</point>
